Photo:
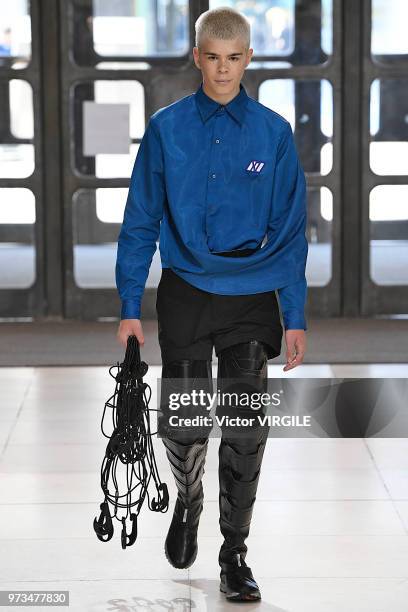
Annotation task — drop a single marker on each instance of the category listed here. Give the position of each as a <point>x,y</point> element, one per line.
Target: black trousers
<point>245,331</point>
<point>192,321</point>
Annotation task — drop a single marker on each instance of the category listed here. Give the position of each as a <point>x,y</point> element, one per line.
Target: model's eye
<point>212,57</point>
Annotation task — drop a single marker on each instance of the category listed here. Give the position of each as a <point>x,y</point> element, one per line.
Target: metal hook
<point>128,540</point>
<point>103,526</point>
<point>160,505</point>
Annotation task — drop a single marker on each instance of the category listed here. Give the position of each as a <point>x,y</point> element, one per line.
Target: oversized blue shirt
<point>210,177</point>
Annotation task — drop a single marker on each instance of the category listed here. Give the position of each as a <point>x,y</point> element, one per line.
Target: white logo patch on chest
<point>255,166</point>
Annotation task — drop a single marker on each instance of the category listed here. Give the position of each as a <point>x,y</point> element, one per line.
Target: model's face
<point>222,63</point>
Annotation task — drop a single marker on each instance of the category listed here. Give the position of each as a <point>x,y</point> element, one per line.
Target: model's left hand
<point>295,348</point>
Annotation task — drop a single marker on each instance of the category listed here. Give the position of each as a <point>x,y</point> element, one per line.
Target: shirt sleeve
<point>289,218</point>
<point>292,300</point>
<point>141,223</point>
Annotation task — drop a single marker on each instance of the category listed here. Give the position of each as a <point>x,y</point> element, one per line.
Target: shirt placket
<point>213,202</point>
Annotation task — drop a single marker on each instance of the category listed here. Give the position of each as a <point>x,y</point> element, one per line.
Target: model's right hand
<point>130,327</point>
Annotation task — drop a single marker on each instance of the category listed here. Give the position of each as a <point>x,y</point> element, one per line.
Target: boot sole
<point>239,596</point>
<point>177,565</point>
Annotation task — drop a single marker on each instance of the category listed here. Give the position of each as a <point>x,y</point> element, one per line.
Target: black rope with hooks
<point>129,444</point>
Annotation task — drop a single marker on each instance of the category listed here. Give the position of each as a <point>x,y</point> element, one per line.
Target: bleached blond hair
<point>224,23</point>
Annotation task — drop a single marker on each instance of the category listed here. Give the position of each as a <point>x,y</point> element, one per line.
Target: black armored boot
<point>240,460</point>
<point>186,451</point>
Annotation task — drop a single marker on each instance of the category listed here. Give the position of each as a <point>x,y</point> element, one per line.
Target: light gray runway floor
<point>329,531</point>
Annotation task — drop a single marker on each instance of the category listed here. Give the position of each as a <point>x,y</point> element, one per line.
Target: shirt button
<point>217,140</point>
<point>213,175</point>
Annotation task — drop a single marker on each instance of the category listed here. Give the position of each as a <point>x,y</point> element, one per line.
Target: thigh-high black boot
<point>240,462</point>
<point>186,451</point>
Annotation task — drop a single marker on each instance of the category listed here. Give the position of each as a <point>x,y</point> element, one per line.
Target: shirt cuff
<point>130,309</point>
<point>294,319</point>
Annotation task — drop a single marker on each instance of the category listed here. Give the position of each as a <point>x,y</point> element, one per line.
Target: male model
<point>217,178</point>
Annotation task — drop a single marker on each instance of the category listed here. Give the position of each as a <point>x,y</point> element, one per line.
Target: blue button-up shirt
<point>210,177</point>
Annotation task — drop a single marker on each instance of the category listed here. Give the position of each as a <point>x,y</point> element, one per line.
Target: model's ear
<point>196,56</point>
<point>249,56</point>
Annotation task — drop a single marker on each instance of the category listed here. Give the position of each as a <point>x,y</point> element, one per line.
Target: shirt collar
<point>236,107</point>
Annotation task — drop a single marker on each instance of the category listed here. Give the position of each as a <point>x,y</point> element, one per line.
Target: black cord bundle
<point>130,443</point>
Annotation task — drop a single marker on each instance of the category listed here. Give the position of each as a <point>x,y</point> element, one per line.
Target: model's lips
<point>223,81</point>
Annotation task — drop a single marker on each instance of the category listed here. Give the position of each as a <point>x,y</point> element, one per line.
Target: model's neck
<point>221,99</point>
